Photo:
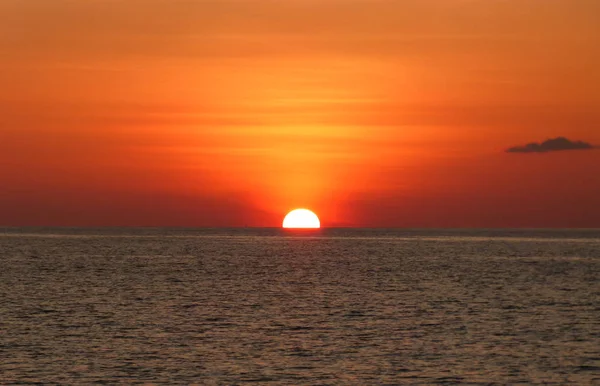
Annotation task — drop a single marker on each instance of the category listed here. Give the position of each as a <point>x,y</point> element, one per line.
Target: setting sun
<point>301,219</point>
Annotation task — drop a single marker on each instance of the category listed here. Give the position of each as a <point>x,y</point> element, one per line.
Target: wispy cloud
<point>554,144</point>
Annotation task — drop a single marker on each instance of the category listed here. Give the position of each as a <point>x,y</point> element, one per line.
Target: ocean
<point>327,307</point>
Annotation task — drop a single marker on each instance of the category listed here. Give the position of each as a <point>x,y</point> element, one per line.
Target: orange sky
<point>232,112</point>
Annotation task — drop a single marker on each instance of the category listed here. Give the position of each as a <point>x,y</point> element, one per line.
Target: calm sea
<point>351,307</point>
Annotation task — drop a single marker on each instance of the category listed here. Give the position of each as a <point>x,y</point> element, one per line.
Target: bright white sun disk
<point>301,219</point>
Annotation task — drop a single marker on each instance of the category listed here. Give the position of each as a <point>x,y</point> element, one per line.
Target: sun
<point>301,219</point>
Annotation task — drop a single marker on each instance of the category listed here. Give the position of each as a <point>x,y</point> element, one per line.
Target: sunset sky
<point>372,113</point>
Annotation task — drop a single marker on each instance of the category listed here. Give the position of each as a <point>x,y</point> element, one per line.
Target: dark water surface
<point>183,306</point>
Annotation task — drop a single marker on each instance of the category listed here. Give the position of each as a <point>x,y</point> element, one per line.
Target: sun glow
<point>301,219</point>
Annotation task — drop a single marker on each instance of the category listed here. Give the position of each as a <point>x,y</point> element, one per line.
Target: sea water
<point>352,307</point>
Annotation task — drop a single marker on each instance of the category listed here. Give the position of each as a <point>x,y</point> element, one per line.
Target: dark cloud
<point>555,144</point>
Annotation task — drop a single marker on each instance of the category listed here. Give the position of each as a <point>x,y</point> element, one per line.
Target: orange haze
<point>231,113</point>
